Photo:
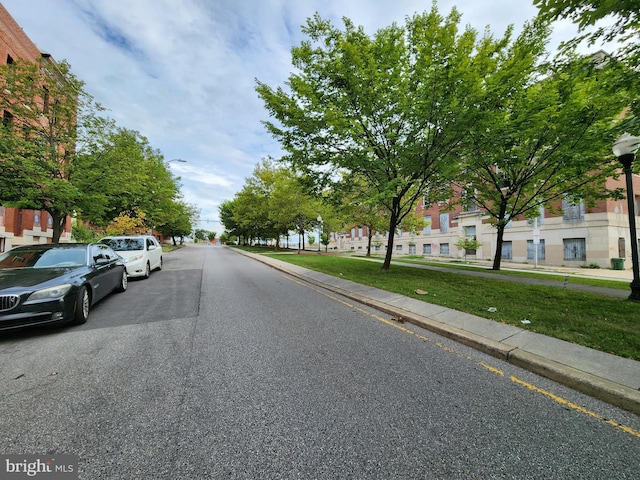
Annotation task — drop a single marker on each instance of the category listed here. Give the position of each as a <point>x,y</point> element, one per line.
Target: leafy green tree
<point>554,131</point>
<point>617,21</point>
<point>358,206</point>
<point>49,117</point>
<point>467,244</point>
<point>179,220</point>
<point>121,172</point>
<point>226,211</point>
<point>393,107</point>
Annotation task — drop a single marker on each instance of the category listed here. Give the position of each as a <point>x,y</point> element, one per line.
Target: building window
<point>45,100</point>
<point>540,217</point>
<point>444,248</point>
<point>399,247</point>
<point>36,219</point>
<point>572,212</point>
<point>622,249</point>
<point>530,250</point>
<point>444,222</point>
<point>575,249</point>
<point>427,225</point>
<point>360,233</point>
<point>426,249</point>
<point>1,215</point>
<point>353,234</point>
<point>507,250</point>
<point>7,119</point>
<point>412,249</point>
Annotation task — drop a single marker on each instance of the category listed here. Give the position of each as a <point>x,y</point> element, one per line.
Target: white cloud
<point>182,73</point>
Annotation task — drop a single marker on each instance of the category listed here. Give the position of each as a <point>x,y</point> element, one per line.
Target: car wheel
<point>160,267</point>
<point>83,305</point>
<point>147,271</point>
<point>124,282</point>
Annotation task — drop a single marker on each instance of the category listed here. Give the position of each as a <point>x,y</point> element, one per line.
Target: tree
<point>179,220</point>
<point>622,25</point>
<point>48,118</point>
<point>467,244</point>
<point>357,205</point>
<point>555,137</point>
<point>393,108</point>
<point>586,13</point>
<point>131,222</point>
<point>121,172</point>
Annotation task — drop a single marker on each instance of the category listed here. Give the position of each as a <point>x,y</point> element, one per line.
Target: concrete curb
<point>602,388</point>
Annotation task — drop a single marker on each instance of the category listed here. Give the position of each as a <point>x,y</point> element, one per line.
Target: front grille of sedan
<point>7,302</point>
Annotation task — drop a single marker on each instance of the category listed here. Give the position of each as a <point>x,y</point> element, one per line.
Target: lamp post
<point>625,149</point>
<point>319,231</point>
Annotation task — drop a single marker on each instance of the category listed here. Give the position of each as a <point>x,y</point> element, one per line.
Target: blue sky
<point>182,72</point>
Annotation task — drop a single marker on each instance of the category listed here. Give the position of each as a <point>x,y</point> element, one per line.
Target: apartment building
<point>579,236</point>
<point>19,226</point>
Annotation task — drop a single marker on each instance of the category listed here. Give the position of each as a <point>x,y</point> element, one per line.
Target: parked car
<point>56,283</point>
<point>142,253</point>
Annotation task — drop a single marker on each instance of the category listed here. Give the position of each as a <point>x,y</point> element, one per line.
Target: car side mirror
<point>102,261</point>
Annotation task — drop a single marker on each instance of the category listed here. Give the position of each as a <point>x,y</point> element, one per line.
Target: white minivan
<point>142,253</point>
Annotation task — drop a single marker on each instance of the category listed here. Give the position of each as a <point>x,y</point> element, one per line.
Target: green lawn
<point>604,323</point>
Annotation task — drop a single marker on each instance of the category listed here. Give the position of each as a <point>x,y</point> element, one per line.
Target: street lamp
<point>625,149</point>
<point>319,231</point>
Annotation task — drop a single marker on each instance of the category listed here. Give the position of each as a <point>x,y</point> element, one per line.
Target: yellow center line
<point>495,370</point>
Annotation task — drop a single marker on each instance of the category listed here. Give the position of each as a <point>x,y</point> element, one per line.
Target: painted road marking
<point>495,370</point>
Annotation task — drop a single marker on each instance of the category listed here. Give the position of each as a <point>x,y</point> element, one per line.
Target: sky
<point>183,72</point>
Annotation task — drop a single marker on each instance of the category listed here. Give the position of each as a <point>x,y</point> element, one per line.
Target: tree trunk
<point>393,223</point>
<point>498,256</point>
<point>59,220</point>
<point>370,236</point>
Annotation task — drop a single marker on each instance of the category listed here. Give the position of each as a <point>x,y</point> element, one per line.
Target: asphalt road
<point>221,367</point>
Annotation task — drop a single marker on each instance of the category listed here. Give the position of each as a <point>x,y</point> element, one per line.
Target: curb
<point>592,385</point>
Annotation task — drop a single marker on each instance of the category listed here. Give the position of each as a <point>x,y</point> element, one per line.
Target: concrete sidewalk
<point>613,379</point>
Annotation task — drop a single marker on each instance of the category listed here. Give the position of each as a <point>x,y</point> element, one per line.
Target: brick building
<point>19,226</point>
<point>579,236</point>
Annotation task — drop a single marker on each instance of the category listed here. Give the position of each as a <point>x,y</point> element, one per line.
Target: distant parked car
<point>142,253</point>
<point>56,283</point>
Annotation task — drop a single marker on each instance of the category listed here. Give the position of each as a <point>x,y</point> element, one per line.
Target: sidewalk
<point>613,379</point>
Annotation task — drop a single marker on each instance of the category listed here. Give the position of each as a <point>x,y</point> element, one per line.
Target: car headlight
<point>135,258</point>
<point>50,293</point>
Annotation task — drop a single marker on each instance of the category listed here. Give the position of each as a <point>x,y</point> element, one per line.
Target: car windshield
<point>39,258</point>
<point>124,244</point>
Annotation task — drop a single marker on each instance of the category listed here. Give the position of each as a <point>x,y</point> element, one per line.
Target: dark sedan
<point>56,283</point>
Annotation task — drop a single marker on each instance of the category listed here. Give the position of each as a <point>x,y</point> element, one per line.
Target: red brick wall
<point>13,40</point>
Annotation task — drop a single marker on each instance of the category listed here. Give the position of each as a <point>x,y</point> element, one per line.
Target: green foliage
<point>178,219</point>
<point>392,108</point>
<point>617,22</point>
<point>554,123</point>
<point>122,172</point>
<point>467,243</point>
<point>83,234</point>
<point>272,202</point>
<point>48,109</point>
